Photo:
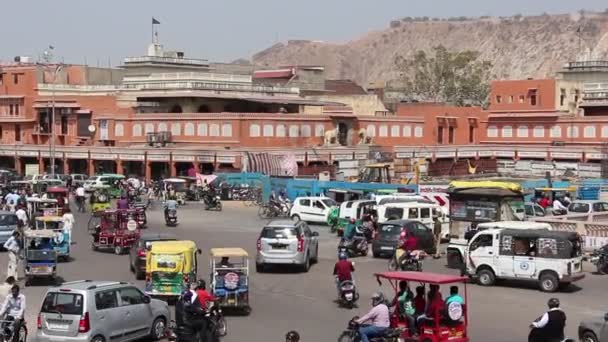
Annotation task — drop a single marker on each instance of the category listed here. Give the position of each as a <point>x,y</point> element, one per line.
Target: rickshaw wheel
<point>392,264</point>
<point>118,250</point>
<point>222,327</point>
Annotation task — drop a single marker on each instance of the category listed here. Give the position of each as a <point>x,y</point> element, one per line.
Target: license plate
<point>40,269</point>
<point>230,301</point>
<point>279,247</point>
<point>386,248</point>
<point>167,289</point>
<point>54,326</point>
<point>348,296</point>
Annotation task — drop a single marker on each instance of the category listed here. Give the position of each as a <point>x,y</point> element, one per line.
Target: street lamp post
<point>46,60</point>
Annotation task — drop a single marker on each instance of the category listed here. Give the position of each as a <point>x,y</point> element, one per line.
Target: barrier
<point>592,227</point>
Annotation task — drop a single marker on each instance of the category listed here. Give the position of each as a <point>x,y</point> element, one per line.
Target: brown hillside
<point>518,47</point>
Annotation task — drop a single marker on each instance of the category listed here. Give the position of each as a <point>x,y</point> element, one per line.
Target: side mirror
<point>146,300</point>
<point>199,251</point>
<point>315,233</point>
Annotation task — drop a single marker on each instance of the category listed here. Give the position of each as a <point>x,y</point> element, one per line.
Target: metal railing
<point>190,76</point>
<point>170,60</point>
<point>586,65</point>
<point>75,87</point>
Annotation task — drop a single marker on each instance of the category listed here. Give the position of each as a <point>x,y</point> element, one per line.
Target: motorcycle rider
<point>378,315</point>
<point>14,309</point>
<point>202,295</point>
<point>122,203</point>
<point>170,204</point>
<point>189,317</point>
<point>550,326</point>
<point>292,336</point>
<point>409,244</point>
<point>343,270</point>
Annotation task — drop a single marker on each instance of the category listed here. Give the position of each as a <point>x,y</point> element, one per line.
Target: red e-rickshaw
<point>451,325</point>
<point>59,193</point>
<point>116,229</point>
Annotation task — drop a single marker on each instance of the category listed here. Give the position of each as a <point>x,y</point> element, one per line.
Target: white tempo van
<point>422,211</point>
<point>553,259</point>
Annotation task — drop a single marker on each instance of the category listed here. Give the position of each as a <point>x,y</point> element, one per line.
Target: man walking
<point>12,246</point>
<point>437,232</point>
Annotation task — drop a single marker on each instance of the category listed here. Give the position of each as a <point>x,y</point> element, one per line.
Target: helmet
<point>553,303</point>
<point>187,296</point>
<point>201,284</point>
<point>342,256</point>
<point>292,336</point>
<point>377,298</point>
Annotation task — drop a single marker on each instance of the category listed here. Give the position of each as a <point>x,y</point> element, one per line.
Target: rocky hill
<point>518,46</point>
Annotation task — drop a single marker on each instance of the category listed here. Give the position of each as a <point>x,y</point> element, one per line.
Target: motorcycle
<point>213,202</point>
<point>412,263</point>
<point>599,258</point>
<point>171,218</point>
<point>357,247</point>
<point>7,327</point>
<point>348,294</point>
<point>351,334</point>
<point>217,322</point>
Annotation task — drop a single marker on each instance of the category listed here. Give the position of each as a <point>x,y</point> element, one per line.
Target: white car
<point>96,181</point>
<point>312,209</point>
<point>587,207</point>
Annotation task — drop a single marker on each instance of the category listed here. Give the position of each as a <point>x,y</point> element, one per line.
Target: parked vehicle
<point>553,259</point>
<point>594,329</point>
<point>587,207</point>
<point>96,311</point>
<point>534,210</point>
<point>109,179</point>
<point>387,238</point>
<point>230,279</point>
<point>8,224</point>
<point>78,179</point>
<point>599,258</point>
<point>286,242</point>
<point>312,209</point>
<point>137,254</point>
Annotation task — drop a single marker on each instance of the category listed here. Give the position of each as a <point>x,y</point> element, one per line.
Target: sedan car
<point>594,330</point>
<point>137,254</point>
<point>287,242</point>
<point>387,238</point>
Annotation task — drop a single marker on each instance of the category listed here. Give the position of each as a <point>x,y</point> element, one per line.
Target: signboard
<point>445,154</point>
<point>532,154</point>
<point>361,156</point>
<point>46,154</point>
<point>31,169</point>
<point>508,154</point>
<point>341,156</point>
<point>7,153</point>
<point>137,157</point>
<point>423,154</point>
<point>313,157</point>
<point>205,159</point>
<point>225,159</point>
<point>299,157</point>
<point>485,153</point>
<point>594,156</point>
<point>103,130</point>
<point>104,156</point>
<point>467,154</point>
<point>432,188</point>
<point>543,166</point>
<point>404,155</point>
<point>27,153</point>
<point>183,158</point>
<point>77,155</point>
<point>158,157</point>
<point>566,155</point>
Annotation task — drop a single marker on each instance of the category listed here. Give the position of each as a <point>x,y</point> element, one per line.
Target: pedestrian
<point>21,214</point>
<point>68,220</point>
<point>437,225</point>
<point>5,288</point>
<point>12,246</point>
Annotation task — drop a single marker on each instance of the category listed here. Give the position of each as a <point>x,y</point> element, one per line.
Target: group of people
<point>559,204</point>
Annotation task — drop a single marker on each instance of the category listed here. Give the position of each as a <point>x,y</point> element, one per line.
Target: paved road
<point>284,300</point>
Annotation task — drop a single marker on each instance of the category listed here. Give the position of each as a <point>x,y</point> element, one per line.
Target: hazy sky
<point>222,30</point>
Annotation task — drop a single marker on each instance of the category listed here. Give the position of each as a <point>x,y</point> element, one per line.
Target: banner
<point>270,164</point>
<point>200,179</point>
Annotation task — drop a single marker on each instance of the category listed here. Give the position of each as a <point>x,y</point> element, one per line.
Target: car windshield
<point>62,302</point>
<point>329,202</point>
<point>579,207</point>
<point>8,219</point>
<point>93,179</point>
<point>280,233</point>
<point>389,229</point>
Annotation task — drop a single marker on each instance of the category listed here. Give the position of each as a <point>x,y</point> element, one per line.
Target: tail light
<point>186,278</point>
<point>84,325</point>
<point>259,244</point>
<point>39,322</point>
<point>141,253</point>
<point>300,244</point>
<point>570,268</point>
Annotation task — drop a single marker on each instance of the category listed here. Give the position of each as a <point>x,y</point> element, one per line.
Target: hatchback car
<point>137,254</point>
<point>594,330</point>
<point>100,311</point>
<point>312,209</point>
<point>286,242</point>
<point>387,238</point>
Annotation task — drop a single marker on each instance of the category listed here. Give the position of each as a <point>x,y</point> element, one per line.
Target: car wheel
<point>306,265</point>
<point>260,268</point>
<point>548,282</point>
<point>98,339</point>
<point>589,336</point>
<point>158,329</point>
<point>316,258</point>
<point>118,250</point>
<point>485,277</point>
<point>295,217</point>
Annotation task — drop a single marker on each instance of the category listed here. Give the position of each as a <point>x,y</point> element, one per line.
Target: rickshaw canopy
<point>227,252</point>
<point>174,180</point>
<point>112,175</point>
<point>456,186</point>
<point>569,189</point>
<point>40,200</point>
<point>421,277</point>
<point>50,218</point>
<point>39,234</point>
<point>173,250</point>
<point>57,189</point>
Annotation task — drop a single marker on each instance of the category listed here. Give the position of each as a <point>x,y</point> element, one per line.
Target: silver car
<point>287,242</point>
<point>594,330</point>
<point>8,224</point>
<point>100,311</point>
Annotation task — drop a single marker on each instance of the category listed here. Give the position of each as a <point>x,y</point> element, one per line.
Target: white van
<point>550,258</point>
<point>423,211</point>
<point>312,209</point>
<point>456,248</point>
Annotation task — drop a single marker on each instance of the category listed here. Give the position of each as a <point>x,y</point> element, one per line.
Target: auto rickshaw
<point>113,180</point>
<point>170,266</point>
<point>100,198</point>
<point>191,189</point>
<point>63,238</point>
<point>230,278</point>
<point>40,259</point>
<point>179,188</point>
<point>448,325</point>
<point>42,207</point>
<point>115,229</point>
<point>350,209</point>
<point>55,192</point>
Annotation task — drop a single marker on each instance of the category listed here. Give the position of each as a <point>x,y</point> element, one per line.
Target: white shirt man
<point>14,306</point>
<point>68,222</point>
<point>80,191</point>
<point>12,246</point>
<point>557,205</point>
<point>21,215</point>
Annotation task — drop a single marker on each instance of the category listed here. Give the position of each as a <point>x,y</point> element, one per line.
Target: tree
<point>457,77</point>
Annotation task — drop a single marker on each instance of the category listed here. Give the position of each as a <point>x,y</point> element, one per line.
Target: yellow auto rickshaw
<point>101,198</point>
<point>230,278</point>
<point>170,266</point>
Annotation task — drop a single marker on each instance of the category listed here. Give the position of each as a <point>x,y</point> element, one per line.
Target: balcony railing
<point>74,87</point>
<point>181,85</point>
<point>586,65</point>
<point>168,60</point>
<point>188,76</point>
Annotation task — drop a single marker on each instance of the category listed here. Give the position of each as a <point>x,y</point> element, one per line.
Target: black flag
<point>155,22</point>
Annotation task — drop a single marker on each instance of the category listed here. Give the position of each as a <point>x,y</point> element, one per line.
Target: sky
<point>105,31</point>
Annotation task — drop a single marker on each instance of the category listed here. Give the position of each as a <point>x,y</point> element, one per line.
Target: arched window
<point>162,127</point>
<point>319,130</point>
<point>522,131</point>
<point>507,132</point>
<point>269,130</point>
<point>539,131</point>
<point>371,130</point>
<point>604,131</point>
<point>305,129</point>
<point>281,130</point>
<point>227,130</point>
<point>176,109</point>
<point>254,130</point>
<point>189,129</point>
<point>136,130</point>
<point>149,128</point>
<point>556,132</point>
<point>176,129</point>
<point>201,130</point>
<point>572,132</point>
<point>418,131</point>
<point>383,132</point>
<point>214,130</point>
<point>492,132</point>
<point>294,131</point>
<point>119,130</point>
<point>589,132</point>
<point>407,131</point>
<point>395,130</point>
<point>203,109</point>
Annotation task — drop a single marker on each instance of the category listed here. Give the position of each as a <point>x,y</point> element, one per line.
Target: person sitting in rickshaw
<point>41,244</point>
<point>435,307</point>
<point>122,203</point>
<point>225,263</point>
<point>170,204</point>
<point>404,307</point>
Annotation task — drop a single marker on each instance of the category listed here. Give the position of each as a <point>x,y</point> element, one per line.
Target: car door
<point>303,209</point>
<point>311,240</point>
<point>318,210</point>
<point>481,251</point>
<point>137,314</point>
<point>109,315</point>
<point>524,260</point>
<point>424,236</point>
